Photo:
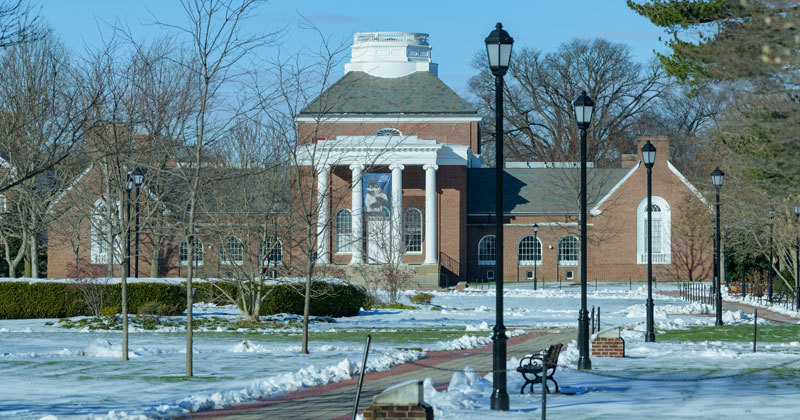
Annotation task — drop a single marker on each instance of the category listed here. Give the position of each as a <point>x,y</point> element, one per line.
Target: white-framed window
<point>388,131</point>
<point>101,250</point>
<point>490,275</point>
<point>231,251</point>
<point>273,248</point>
<point>568,251</point>
<point>661,231</point>
<point>197,255</point>
<point>344,231</point>
<point>412,230</point>
<point>487,251</point>
<point>529,275</point>
<point>529,251</point>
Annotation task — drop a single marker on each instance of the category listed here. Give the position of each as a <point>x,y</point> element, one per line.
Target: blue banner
<point>377,194</point>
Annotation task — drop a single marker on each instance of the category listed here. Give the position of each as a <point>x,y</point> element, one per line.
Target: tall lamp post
<point>137,177</point>
<point>797,260</point>
<point>649,158</point>
<point>128,188</point>
<point>583,107</point>
<point>716,179</point>
<point>770,275</point>
<point>537,256</point>
<point>498,49</point>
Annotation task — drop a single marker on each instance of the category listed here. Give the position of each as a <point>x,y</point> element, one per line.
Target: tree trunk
<point>34,258</point>
<point>307,305</point>
<point>124,298</point>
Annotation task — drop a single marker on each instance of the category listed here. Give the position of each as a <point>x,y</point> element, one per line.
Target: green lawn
<point>766,333</point>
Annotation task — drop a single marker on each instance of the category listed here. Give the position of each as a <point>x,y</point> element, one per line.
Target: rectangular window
<point>656,236</point>
<point>529,275</point>
<point>490,275</point>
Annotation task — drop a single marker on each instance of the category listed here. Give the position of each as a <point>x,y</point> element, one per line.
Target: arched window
<point>487,251</point>
<point>388,131</point>
<point>412,230</point>
<point>568,251</point>
<point>100,229</point>
<point>231,251</point>
<point>270,252</point>
<point>661,231</point>
<point>530,251</point>
<point>183,252</point>
<point>344,231</point>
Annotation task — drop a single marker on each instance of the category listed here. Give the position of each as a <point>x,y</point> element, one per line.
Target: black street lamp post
<point>137,177</point>
<point>583,107</point>
<point>649,157</point>
<point>537,257</point>
<point>498,49</point>
<point>770,275</point>
<point>128,188</point>
<point>797,260</point>
<point>717,177</point>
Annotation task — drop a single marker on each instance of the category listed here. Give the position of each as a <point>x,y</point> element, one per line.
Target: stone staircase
<point>427,275</point>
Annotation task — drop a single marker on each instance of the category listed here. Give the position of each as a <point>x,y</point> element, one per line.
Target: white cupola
<point>391,54</point>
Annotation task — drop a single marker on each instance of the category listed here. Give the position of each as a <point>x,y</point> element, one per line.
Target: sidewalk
<point>763,313</point>
<point>335,401</point>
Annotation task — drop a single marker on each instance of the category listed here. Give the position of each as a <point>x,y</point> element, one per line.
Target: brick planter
<point>608,343</point>
<point>395,412</point>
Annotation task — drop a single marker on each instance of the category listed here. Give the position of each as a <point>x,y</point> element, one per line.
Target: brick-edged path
<point>748,309</point>
<point>335,401</point>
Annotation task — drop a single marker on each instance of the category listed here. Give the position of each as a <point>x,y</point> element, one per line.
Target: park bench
<point>538,370</point>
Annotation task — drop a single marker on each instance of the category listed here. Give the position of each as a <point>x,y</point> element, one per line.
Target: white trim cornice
<point>686,182</point>
<point>595,211</point>
<point>383,150</point>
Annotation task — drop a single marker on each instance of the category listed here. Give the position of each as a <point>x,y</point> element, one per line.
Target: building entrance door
<point>379,241</point>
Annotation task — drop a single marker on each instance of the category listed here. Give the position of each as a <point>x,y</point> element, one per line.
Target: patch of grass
<point>766,333</point>
<point>394,306</point>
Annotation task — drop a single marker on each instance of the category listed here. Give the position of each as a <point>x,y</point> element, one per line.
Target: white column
<point>323,230</point>
<point>397,211</point>
<point>431,248</point>
<point>357,211</point>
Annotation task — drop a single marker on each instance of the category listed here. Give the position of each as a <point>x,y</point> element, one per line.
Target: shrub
<point>395,306</point>
<point>110,311</point>
<point>331,299</point>
<point>421,298</point>
<point>20,300</point>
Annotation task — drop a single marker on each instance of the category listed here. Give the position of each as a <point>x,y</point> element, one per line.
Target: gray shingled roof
<point>538,190</point>
<point>359,94</point>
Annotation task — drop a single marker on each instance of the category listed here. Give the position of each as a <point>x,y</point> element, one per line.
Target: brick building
<point>406,151</point>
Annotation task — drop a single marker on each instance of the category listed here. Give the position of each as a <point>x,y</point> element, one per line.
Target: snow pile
<point>248,347</point>
<point>103,348</point>
<point>484,326</point>
<point>464,392</point>
<point>465,342</point>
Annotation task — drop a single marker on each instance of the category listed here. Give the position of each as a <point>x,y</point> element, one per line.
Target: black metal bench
<point>535,368</point>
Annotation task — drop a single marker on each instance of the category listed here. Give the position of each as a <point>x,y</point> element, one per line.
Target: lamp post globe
<point>498,50</point>
<point>583,107</point>
<point>717,177</point>
<point>538,252</point>
<point>649,158</point>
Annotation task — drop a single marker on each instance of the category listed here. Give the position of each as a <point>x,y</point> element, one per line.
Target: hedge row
<point>20,300</point>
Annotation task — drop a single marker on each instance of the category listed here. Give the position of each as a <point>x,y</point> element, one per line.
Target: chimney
<point>628,161</point>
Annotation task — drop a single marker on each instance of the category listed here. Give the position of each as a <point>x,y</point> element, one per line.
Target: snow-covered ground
<point>69,373</point>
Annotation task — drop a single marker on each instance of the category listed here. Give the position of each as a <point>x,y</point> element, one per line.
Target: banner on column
<point>377,194</point>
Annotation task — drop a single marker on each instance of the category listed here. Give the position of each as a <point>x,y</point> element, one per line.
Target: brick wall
<point>397,412</point>
<point>608,347</point>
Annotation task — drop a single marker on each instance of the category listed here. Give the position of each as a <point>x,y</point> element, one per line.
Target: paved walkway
<point>763,313</point>
<point>335,401</point>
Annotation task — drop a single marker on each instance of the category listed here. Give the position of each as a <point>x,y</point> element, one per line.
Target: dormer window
<point>388,131</point>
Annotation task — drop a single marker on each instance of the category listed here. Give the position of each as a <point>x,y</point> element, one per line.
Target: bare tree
<point>18,24</point>
<point>692,241</point>
<point>540,125</point>
<point>218,48</point>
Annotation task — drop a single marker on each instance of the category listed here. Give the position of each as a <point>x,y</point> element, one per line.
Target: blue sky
<point>456,28</point>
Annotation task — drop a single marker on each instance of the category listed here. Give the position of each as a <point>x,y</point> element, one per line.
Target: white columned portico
<point>323,230</point>
<point>397,211</point>
<point>357,212</point>
<point>431,247</point>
